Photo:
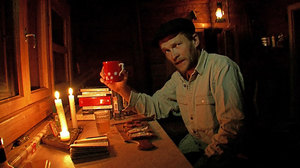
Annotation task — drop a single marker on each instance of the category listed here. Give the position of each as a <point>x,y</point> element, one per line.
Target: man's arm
<point>160,104</point>
<point>228,94</point>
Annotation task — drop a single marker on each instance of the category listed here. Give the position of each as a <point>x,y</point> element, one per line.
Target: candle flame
<point>56,94</point>
<point>70,91</point>
<point>1,139</point>
<point>64,135</point>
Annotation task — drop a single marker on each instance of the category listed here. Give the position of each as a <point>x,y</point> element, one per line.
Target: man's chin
<point>181,71</point>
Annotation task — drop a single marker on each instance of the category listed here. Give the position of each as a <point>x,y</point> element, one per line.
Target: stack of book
<point>93,99</point>
<point>89,149</point>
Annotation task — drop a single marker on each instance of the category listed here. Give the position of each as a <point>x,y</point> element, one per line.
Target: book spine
<point>92,95</point>
<point>98,144</point>
<point>96,107</point>
<point>94,101</point>
<point>99,92</point>
<point>94,89</point>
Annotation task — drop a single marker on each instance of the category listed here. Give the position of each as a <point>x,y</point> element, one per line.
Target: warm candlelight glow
<point>64,135</point>
<point>61,114</point>
<point>72,108</point>
<point>70,91</point>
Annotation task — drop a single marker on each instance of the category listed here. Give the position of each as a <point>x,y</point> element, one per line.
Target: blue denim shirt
<point>210,102</point>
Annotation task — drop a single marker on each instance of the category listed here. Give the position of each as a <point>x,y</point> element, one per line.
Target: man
<point>206,88</point>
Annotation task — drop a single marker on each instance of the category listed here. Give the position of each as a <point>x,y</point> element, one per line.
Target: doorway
<point>294,40</point>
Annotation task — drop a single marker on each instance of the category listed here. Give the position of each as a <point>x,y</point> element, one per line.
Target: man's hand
<point>120,87</point>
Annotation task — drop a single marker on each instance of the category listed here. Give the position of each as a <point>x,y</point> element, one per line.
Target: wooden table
<point>122,154</point>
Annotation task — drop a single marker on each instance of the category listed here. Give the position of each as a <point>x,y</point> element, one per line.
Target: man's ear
<point>196,40</point>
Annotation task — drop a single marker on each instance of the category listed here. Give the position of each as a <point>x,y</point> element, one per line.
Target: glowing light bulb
<point>219,13</point>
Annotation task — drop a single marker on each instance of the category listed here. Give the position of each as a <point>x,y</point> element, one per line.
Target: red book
<point>94,89</point>
<point>94,101</point>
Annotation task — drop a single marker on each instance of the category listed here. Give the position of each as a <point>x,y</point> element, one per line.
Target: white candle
<point>62,117</point>
<point>72,108</point>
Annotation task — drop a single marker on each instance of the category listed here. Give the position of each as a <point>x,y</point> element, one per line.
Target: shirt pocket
<point>183,106</point>
<point>182,102</point>
<point>205,100</point>
<point>205,112</point>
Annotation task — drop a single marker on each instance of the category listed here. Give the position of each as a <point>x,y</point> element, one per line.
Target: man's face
<point>181,51</point>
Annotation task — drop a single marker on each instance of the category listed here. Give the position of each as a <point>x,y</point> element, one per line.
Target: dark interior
<point>123,30</point>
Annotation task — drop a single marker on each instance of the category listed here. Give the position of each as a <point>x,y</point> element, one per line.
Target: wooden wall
<point>154,13</point>
<point>125,30</point>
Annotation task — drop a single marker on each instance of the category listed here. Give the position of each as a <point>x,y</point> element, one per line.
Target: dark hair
<point>174,27</point>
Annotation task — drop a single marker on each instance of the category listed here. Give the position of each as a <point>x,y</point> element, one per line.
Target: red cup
<point>113,71</point>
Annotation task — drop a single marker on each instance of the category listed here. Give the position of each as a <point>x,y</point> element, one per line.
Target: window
<point>32,38</point>
<point>27,62</point>
<point>59,67</point>
<point>60,26</point>
<point>294,37</point>
<point>57,28</point>
<point>8,70</point>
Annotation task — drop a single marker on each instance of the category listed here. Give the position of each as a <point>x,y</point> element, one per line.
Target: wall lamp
<point>220,13</point>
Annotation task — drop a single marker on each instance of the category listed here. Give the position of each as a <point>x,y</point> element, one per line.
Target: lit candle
<point>64,135</point>
<point>72,108</point>
<point>62,118</point>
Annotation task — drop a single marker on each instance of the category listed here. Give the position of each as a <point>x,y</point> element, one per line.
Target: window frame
<point>26,96</point>
<point>64,12</point>
<point>34,105</point>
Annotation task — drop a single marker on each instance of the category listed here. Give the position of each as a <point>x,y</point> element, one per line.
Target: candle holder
<point>55,141</point>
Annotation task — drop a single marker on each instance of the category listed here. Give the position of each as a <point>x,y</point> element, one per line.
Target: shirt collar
<point>201,62</point>
<point>200,65</point>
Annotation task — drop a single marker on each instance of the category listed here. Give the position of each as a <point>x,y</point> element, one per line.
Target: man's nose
<point>174,54</point>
